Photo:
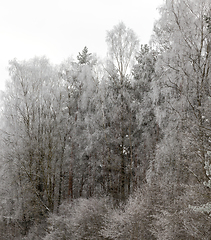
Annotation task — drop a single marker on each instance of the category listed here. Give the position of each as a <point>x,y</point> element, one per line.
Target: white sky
<point>59,29</point>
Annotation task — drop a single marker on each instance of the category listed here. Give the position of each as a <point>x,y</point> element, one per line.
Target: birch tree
<point>181,97</point>
<point>34,138</point>
<point>184,81</point>
<point>122,47</point>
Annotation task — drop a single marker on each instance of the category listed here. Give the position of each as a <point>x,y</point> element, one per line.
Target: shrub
<point>81,219</point>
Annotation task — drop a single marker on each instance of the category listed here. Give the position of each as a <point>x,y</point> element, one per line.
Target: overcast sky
<point>60,29</point>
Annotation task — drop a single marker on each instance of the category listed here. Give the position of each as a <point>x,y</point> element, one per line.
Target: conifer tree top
<point>84,56</point>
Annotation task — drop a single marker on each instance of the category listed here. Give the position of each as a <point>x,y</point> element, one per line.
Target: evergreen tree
<point>84,57</point>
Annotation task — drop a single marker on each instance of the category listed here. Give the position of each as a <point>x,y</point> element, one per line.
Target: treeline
<point>113,149</point>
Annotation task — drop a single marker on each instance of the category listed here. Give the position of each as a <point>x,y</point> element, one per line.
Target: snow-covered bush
<point>131,221</point>
<point>81,219</point>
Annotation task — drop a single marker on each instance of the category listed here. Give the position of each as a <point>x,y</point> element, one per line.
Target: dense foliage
<point>113,149</point>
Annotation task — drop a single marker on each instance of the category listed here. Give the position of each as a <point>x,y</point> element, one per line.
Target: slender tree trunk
<point>130,176</point>
<point>122,178</point>
<point>70,188</point>
<point>60,186</point>
<point>81,188</point>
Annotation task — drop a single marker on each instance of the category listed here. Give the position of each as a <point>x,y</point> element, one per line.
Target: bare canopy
<point>122,46</point>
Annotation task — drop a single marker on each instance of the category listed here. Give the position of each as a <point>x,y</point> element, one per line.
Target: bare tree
<point>122,47</point>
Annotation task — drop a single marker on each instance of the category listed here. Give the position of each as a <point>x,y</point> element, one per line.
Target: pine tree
<point>84,57</point>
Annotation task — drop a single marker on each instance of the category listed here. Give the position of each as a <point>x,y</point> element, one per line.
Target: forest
<point>120,148</point>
